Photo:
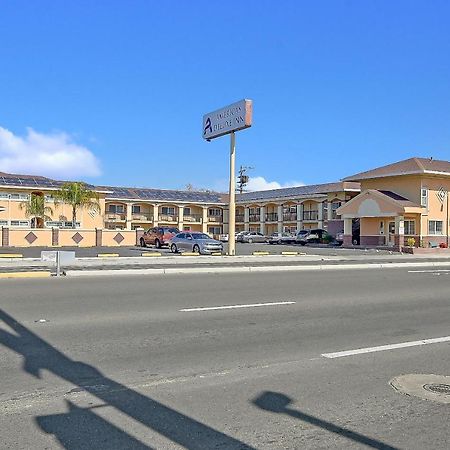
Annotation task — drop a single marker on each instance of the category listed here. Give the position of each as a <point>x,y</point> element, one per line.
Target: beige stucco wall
<point>407,186</point>
<point>17,237</point>
<point>65,238</point>
<point>109,235</point>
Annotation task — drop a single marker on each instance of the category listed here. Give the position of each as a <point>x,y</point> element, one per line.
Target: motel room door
<point>391,234</point>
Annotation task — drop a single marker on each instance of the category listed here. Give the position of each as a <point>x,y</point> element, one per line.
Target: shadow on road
<point>80,428</point>
<point>279,403</point>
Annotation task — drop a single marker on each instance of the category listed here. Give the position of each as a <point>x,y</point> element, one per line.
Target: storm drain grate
<point>438,388</point>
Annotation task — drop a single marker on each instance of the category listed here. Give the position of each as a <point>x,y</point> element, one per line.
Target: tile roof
<point>298,191</point>
<point>412,166</point>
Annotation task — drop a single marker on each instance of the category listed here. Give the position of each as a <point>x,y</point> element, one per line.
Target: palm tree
<point>78,195</point>
<point>35,208</point>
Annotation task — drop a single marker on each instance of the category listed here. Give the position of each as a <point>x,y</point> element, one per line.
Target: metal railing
<point>310,215</point>
<point>193,218</point>
<point>254,218</point>
<point>167,218</point>
<point>271,217</point>
<point>289,217</point>
<point>219,218</point>
<point>239,217</point>
<point>142,217</point>
<point>115,217</point>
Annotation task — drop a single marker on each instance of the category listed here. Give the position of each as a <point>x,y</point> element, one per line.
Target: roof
<point>167,195</point>
<point>9,179</point>
<point>412,166</point>
<point>298,191</point>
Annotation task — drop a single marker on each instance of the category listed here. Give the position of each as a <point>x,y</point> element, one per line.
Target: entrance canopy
<point>375,203</point>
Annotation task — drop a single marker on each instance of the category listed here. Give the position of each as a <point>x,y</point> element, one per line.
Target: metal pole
<point>232,193</point>
<point>58,265</point>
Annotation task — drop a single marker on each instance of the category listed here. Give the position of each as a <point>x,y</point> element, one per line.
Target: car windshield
<point>171,230</point>
<point>200,236</point>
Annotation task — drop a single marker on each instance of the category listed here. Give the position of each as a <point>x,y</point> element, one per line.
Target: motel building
<point>401,204</point>
<point>391,204</point>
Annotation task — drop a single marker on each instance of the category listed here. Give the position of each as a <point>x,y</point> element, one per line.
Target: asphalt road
<point>114,363</point>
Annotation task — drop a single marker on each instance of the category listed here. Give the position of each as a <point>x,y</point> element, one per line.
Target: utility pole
<point>243,178</point>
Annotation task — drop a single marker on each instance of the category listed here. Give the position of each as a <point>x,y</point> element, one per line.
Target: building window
<point>20,223</point>
<point>116,209</point>
<point>334,207</point>
<point>61,224</point>
<point>20,197</point>
<point>216,212</point>
<point>3,223</point>
<point>214,230</point>
<point>136,209</point>
<point>186,211</point>
<point>4,195</point>
<point>435,227</point>
<point>424,197</point>
<point>168,210</point>
<point>410,227</point>
<point>186,228</point>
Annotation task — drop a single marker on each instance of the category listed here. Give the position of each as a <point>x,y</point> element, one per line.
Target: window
<point>116,209</point>
<point>168,210</point>
<point>186,228</point>
<point>61,224</point>
<point>20,223</point>
<point>410,227</point>
<point>214,212</point>
<point>424,197</point>
<point>4,195</point>
<point>3,223</point>
<point>187,211</point>
<point>214,230</point>
<point>135,209</point>
<point>49,198</point>
<point>20,197</point>
<point>334,207</point>
<point>435,227</point>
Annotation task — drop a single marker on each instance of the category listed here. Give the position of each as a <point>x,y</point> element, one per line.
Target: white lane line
<point>429,271</point>
<point>253,305</point>
<point>382,348</point>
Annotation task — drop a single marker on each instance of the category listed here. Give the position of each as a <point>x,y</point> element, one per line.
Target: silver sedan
<point>194,242</point>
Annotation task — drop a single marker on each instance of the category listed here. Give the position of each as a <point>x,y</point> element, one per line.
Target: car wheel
<point>157,243</point>
<point>173,248</point>
<point>303,243</point>
<point>196,249</point>
<point>279,241</point>
<point>250,241</point>
<point>142,242</point>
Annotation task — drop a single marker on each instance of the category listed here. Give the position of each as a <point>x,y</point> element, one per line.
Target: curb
<point>249,269</point>
<point>25,274</point>
<point>147,255</point>
<point>11,255</point>
<point>108,255</point>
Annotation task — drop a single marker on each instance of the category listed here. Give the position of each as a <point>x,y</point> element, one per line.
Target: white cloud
<point>261,184</point>
<point>53,155</point>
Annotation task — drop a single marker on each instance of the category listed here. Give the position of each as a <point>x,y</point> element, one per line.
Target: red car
<point>158,236</point>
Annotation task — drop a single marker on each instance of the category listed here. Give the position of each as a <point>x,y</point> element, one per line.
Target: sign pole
<point>232,194</point>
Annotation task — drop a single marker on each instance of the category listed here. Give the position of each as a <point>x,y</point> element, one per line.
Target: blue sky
<point>113,92</point>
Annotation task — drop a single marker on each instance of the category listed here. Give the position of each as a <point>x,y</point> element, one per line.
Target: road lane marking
<point>253,305</point>
<point>429,271</point>
<point>381,348</point>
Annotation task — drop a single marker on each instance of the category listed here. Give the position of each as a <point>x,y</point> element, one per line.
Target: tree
<point>77,195</point>
<point>35,208</point>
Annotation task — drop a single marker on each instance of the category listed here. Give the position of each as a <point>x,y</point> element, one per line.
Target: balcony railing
<point>289,217</point>
<point>193,218</point>
<point>310,215</point>
<point>167,218</point>
<point>220,218</point>
<point>240,218</point>
<point>254,218</point>
<point>115,217</point>
<point>271,217</point>
<point>142,217</point>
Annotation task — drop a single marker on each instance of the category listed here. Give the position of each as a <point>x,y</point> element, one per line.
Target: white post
<point>232,193</point>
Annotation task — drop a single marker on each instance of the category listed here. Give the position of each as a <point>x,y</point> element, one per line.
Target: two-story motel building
<point>394,202</point>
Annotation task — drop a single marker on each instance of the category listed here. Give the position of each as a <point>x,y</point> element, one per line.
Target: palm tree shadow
<point>279,403</point>
<point>92,431</point>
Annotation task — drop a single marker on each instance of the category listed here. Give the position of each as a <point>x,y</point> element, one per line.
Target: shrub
<point>411,242</point>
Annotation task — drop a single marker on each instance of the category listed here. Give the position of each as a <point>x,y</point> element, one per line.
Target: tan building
<point>400,202</point>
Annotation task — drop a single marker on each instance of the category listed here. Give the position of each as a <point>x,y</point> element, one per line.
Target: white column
<point>299,216</point>
<point>205,219</point>
<point>329,211</point>
<point>320,215</point>
<point>262,220</point>
<point>129,216</point>
<point>280,218</point>
<point>155,214</point>
<point>246,218</point>
<point>180,217</point>
<point>225,223</point>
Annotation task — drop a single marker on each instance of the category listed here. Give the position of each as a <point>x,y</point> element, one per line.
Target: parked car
<point>281,238</point>
<point>239,236</point>
<point>301,235</point>
<point>314,236</point>
<point>158,236</point>
<point>194,242</point>
<point>254,236</point>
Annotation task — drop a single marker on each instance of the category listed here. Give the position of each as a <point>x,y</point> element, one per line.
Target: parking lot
<point>241,249</point>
